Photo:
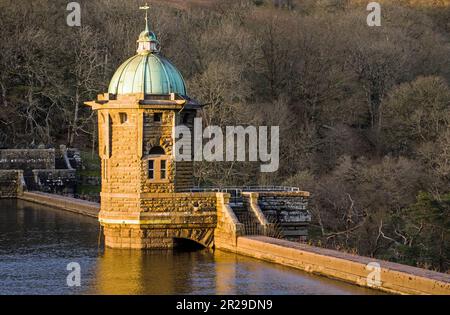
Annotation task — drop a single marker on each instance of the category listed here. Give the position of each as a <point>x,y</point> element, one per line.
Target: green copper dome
<point>149,74</point>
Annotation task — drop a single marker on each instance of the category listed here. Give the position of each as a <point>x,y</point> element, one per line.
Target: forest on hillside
<point>364,112</point>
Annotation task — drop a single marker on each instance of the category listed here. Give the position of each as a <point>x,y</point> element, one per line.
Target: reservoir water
<point>37,243</point>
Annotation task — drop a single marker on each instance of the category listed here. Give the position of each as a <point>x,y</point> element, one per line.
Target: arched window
<point>157,164</point>
<point>157,151</point>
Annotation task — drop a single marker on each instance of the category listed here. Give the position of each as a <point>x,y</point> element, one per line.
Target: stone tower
<point>141,201</point>
<point>147,200</point>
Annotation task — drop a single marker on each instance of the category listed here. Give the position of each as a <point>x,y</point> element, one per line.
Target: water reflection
<point>37,243</point>
<point>204,272</point>
<point>149,272</point>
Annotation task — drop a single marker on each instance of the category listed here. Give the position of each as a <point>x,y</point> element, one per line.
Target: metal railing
<point>244,189</point>
<point>236,192</point>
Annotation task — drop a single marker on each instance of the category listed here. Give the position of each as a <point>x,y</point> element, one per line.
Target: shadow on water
<point>183,244</point>
<point>37,243</point>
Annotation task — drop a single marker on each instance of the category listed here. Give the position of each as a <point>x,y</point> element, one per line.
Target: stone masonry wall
<point>23,159</point>
<point>161,219</point>
<point>10,183</point>
<point>184,170</point>
<point>55,181</point>
<point>120,160</point>
<point>138,212</point>
<point>288,209</point>
<point>38,166</point>
<point>139,237</point>
<point>154,220</point>
<point>158,134</point>
<point>228,226</point>
<point>179,202</point>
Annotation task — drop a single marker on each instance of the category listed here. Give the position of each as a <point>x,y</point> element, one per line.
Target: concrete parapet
<point>251,202</point>
<point>83,207</point>
<point>393,278</point>
<point>228,227</point>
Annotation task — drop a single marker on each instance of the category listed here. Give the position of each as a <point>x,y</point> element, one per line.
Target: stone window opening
<point>123,118</point>
<point>158,163</point>
<point>157,117</point>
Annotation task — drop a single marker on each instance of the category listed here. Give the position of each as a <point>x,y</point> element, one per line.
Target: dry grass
<point>185,4</point>
<point>414,3</point>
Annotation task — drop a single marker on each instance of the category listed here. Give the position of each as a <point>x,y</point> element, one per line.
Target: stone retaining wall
<point>39,168</point>
<point>11,183</point>
<point>55,181</point>
<point>24,159</point>
<point>288,210</point>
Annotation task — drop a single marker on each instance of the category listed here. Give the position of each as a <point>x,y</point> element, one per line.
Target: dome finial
<point>146,7</point>
<point>147,42</point>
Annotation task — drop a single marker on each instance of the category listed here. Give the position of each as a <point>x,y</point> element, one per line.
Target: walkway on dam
<point>364,271</point>
<point>87,208</point>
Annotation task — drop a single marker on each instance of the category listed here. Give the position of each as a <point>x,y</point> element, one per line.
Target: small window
<point>151,169</point>
<point>163,169</point>
<point>123,118</point>
<point>157,117</point>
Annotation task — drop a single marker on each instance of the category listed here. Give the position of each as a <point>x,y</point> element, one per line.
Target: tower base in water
<point>158,220</point>
<point>144,237</point>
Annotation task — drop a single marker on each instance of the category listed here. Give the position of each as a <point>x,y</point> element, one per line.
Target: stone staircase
<point>274,211</point>
<point>247,218</point>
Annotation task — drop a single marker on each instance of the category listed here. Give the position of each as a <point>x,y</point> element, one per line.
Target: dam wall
<point>362,271</point>
<point>87,208</point>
